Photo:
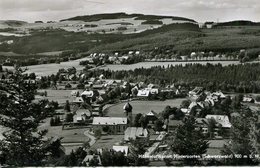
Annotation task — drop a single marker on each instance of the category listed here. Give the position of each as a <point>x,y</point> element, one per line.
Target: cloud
<point>197,9</point>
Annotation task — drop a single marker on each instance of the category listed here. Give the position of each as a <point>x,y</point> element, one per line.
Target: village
<point>99,114</point>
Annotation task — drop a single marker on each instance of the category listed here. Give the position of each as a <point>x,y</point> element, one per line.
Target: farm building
<point>123,149</point>
<point>143,93</point>
<point>113,125</point>
<point>135,133</point>
<point>221,119</point>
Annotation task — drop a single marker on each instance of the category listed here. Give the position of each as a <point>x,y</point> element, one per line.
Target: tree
<point>23,143</point>
<point>185,103</point>
<point>137,120</point>
<point>136,148</point>
<point>158,125</point>
<point>94,162</point>
<point>240,143</point>
<point>67,106</point>
<point>97,133</point>
<point>211,127</point>
<point>189,141</point>
<point>69,117</point>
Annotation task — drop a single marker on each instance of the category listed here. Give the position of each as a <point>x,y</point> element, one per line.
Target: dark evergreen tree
<point>23,143</point>
<point>189,142</point>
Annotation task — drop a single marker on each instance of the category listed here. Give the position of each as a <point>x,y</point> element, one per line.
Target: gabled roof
<point>78,100</point>
<point>221,119</point>
<point>88,93</point>
<point>109,121</point>
<point>128,107</point>
<point>135,132</point>
<point>123,149</point>
<point>152,113</point>
<point>143,93</point>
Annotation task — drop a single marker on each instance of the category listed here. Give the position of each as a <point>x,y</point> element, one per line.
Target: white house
<point>88,93</point>
<point>143,93</point>
<point>220,119</point>
<point>135,133</point>
<point>123,149</point>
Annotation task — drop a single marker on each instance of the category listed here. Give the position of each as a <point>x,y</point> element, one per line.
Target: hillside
<point>98,17</point>
<point>238,23</point>
<point>122,32</point>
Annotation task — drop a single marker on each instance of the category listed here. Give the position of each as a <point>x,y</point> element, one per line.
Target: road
<point>91,137</point>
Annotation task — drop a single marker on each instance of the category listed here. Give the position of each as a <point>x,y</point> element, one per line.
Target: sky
<point>199,10</point>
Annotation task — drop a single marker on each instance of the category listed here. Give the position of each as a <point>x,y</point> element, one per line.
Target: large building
<point>112,125</point>
<point>135,133</point>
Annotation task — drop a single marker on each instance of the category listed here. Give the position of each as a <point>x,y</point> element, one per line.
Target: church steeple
<point>128,112</point>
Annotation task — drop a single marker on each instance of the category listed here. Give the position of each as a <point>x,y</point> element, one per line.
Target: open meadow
<point>142,107</point>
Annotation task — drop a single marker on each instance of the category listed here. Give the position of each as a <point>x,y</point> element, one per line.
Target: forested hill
<point>241,78</point>
<point>97,17</point>
<point>238,23</point>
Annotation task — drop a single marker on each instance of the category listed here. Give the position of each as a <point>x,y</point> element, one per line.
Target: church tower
<point>128,112</point>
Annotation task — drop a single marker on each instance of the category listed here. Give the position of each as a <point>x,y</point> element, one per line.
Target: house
<point>173,125</point>
<point>195,93</point>
<point>150,86</point>
<point>202,124</point>
<point>97,86</point>
<point>223,120</point>
<point>81,115</point>
<point>123,149</point>
<point>113,125</point>
<point>143,93</point>
<point>74,93</point>
<point>135,133</point>
<point>219,94</point>
<point>248,99</point>
<point>152,116</point>
<point>88,158</point>
<point>87,94</point>
<point>153,91</point>
<point>78,100</point>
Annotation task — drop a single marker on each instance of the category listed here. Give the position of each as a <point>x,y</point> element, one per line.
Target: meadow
<point>142,107</point>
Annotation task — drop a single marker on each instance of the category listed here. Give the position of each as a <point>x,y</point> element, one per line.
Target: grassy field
<point>61,96</point>
<point>142,107</point>
<point>48,69</point>
<point>107,141</point>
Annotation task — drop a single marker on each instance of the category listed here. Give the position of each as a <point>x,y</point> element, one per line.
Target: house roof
<point>193,104</point>
<point>185,110</point>
<point>123,149</point>
<point>143,93</point>
<point>202,121</point>
<point>128,107</point>
<point>221,119</point>
<point>134,132</point>
<point>109,120</point>
<point>78,100</point>
<point>88,93</point>
<point>152,113</point>
<point>89,157</point>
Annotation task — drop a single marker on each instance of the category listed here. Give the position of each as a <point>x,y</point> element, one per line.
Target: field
<point>71,139</point>
<point>48,69</point>
<point>142,107</point>
<point>107,141</point>
<point>61,96</point>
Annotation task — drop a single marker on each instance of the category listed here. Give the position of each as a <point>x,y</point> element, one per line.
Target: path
<point>91,137</point>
